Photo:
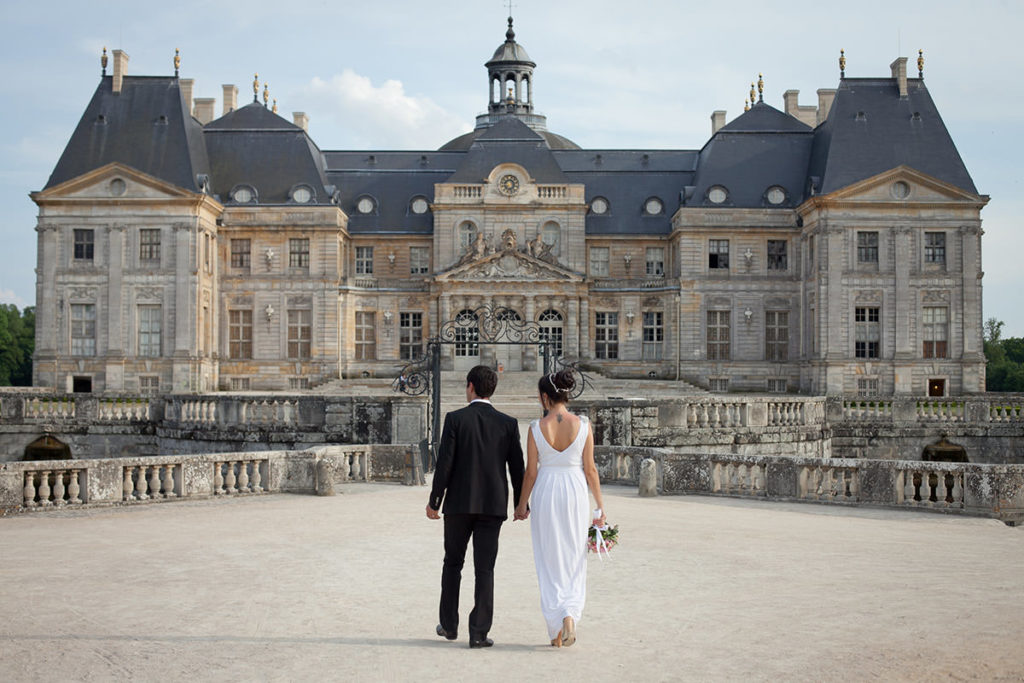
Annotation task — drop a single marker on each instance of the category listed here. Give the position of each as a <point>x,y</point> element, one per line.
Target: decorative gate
<point>498,325</point>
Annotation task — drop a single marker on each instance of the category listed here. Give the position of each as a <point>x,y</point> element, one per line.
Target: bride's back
<point>560,429</point>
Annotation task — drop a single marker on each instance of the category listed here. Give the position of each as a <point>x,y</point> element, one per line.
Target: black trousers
<point>457,531</point>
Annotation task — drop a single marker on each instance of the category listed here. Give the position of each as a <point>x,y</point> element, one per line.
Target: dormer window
<point>243,194</point>
<point>599,206</point>
<point>653,207</point>
<point>366,205</point>
<point>419,205</point>
<point>718,194</point>
<point>302,194</point>
<point>775,195</point>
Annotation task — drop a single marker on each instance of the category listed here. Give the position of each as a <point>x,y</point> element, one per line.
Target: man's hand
<point>521,512</point>
<point>432,513</point>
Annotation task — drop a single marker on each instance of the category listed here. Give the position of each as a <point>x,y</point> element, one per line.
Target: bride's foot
<point>557,640</point>
<point>568,631</point>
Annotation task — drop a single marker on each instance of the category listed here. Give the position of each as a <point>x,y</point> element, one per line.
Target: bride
<point>560,465</point>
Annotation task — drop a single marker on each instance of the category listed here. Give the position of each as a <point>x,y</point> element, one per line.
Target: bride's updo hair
<point>557,386</point>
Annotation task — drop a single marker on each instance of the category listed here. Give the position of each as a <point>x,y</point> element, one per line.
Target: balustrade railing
<point>355,466</point>
<point>930,486</point>
<point>787,413</point>
<point>54,486</point>
<point>940,411</point>
<point>467,191</point>
<point>151,482</point>
<point>244,475</point>
<point>269,412</point>
<point>200,411</point>
<point>552,191</point>
<point>738,478</point>
<point>61,408</point>
<point>858,409</point>
<point>716,414</point>
<point>1005,411</point>
<point>627,283</point>
<point>827,482</point>
<point>123,409</point>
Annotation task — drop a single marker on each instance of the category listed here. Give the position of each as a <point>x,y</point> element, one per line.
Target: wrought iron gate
<point>485,325</point>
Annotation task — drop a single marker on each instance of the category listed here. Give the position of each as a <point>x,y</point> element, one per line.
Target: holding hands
<point>522,512</point>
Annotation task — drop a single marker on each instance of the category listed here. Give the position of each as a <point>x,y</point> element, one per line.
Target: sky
<point>397,74</point>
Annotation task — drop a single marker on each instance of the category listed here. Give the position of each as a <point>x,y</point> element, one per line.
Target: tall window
<point>935,247</point>
<point>551,331</point>
<point>552,234</point>
<point>467,234</point>
<point>240,334</point>
<point>366,335</point>
<point>83,329</point>
<point>149,385</point>
<point>599,261</point>
<point>298,253</point>
<point>150,318</point>
<point>606,335</point>
<point>419,260</point>
<point>84,244</point>
<point>241,254</point>
<point>655,261</point>
<point>410,335</point>
<point>364,260</point>
<point>654,334</point>
<point>868,332</point>
<point>718,254</point>
<point>936,332</point>
<point>467,334</point>
<point>718,335</point>
<point>867,247</point>
<point>776,335</point>
<point>149,245</point>
<point>300,333</point>
<point>777,256</point>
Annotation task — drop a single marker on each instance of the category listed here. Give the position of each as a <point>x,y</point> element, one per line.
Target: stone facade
<point>797,251</point>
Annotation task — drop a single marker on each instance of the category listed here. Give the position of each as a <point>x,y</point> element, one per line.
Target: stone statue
<point>475,250</point>
<point>539,249</point>
<point>508,240</point>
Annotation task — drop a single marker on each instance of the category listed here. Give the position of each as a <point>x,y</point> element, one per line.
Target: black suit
<point>478,443</point>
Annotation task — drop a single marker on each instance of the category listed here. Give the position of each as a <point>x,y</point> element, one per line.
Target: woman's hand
<point>522,512</point>
<point>601,520</point>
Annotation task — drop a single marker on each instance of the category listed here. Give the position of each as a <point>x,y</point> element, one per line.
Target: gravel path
<point>300,588</point>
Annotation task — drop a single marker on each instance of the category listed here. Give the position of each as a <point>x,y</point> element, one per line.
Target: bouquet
<point>602,539</point>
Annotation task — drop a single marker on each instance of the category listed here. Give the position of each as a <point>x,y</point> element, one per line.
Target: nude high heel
<point>568,633</point>
<point>557,642</point>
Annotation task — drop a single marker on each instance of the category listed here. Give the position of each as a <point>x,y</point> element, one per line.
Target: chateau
<point>828,249</point>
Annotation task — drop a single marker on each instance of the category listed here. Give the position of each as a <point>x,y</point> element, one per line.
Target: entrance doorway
<point>466,332</point>
<point>509,357</point>
<point>47,448</point>
<point>81,385</point>
<point>936,387</point>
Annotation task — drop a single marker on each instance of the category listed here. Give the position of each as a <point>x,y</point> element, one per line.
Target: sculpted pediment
<point>114,182</point>
<point>508,265</point>
<point>902,184</point>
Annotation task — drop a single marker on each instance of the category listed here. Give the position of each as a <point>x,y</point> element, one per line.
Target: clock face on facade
<point>508,185</point>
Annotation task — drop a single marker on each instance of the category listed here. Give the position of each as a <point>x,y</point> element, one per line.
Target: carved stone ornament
<point>935,296</point>
<point>299,301</point>
<point>508,240</point>
<point>777,303</point>
<point>719,302</point>
<point>651,302</point>
<point>206,297</point>
<point>82,293</point>
<point>868,296</point>
<point>149,293</point>
<point>242,300</point>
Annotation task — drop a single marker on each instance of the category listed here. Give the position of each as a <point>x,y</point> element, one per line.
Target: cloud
<point>384,116</point>
<point>7,296</point>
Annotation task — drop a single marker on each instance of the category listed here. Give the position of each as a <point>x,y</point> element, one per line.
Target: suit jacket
<point>477,444</point>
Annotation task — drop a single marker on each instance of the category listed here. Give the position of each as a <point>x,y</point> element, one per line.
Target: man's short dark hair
<point>484,380</point>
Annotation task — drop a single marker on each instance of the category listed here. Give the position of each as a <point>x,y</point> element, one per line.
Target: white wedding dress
<point>560,518</point>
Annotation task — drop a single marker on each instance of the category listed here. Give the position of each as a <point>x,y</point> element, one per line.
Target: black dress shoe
<point>483,642</point>
<point>450,636</point>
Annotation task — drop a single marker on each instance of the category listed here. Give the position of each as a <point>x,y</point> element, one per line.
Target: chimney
<point>301,120</point>
<point>898,67</point>
<point>230,98</point>
<point>121,66</point>
<point>717,120</point>
<point>187,85</point>
<point>825,97</point>
<point>791,101</point>
<point>204,109</point>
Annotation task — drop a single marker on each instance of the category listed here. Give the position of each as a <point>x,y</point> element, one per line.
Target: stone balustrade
<point>60,407</point>
<point>52,484</point>
<point>552,191</point>
<point>129,409</point>
<point>963,488</point>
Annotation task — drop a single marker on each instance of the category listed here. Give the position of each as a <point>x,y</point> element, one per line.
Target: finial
<point>842,63</point>
<point>177,62</point>
<point>255,87</point>
<point>266,93</point>
<point>753,96</point>
<point>760,87</point>
<point>746,105</point>
<point>920,63</point>
<point>274,109</point>
<point>103,60</point>
<point>510,35</point>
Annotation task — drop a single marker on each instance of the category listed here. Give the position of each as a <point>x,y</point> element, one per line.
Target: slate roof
<point>256,147</point>
<point>849,147</point>
<point>146,126</point>
<point>509,141</point>
<point>761,148</point>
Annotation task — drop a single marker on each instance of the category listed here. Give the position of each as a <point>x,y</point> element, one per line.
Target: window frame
<point>606,335</point>
<point>83,329</point>
<point>149,249</point>
<point>83,244</point>
<point>935,254</point>
<point>776,335</point>
<point>655,267</point>
<point>298,254</point>
<point>867,342</point>
<point>652,335</point>
<point>241,259</point>
<point>419,260</point>
<point>149,330</point>
<point>300,334</point>
<point>868,247</point>
<point>718,334</point>
<point>365,335</point>
<point>410,335</point>
<point>363,260</point>
<point>606,261</point>
<point>240,333</point>
<point>718,254</point>
<point>778,261</point>
<point>934,333</point>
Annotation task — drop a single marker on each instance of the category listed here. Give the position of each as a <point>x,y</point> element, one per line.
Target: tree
<point>992,329</point>
<point>1004,370</point>
<point>17,342</point>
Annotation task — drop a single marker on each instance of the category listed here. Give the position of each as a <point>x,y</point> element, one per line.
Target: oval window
<point>301,195</point>
<point>717,194</point>
<point>420,205</point>
<point>117,187</point>
<point>365,205</point>
<point>599,206</point>
<point>242,195</point>
<point>653,206</point>
<point>776,195</point>
<point>900,190</point>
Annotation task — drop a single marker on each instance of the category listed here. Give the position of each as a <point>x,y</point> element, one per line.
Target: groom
<point>477,443</point>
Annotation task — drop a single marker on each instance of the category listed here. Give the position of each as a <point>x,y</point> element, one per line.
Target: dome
<point>510,50</point>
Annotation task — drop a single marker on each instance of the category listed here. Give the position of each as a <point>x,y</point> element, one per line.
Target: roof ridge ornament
<point>103,61</point>
<point>920,63</point>
<point>266,93</point>
<point>753,95</point>
<point>746,104</point>
<point>256,87</point>
<point>760,87</point>
<point>177,62</point>
<point>274,109</point>
<point>510,35</point>
<point>842,63</point>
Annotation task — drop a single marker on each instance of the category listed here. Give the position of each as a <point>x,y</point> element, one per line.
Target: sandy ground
<point>345,588</point>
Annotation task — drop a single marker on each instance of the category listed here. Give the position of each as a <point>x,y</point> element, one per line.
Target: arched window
<point>552,234</point>
<point>467,334</point>
<point>552,331</point>
<point>466,234</point>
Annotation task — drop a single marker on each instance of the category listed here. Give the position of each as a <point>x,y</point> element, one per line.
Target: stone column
<point>115,286</point>
<point>571,331</point>
<point>904,304</point>
<point>583,349</point>
<point>970,250</point>
<point>185,314</point>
